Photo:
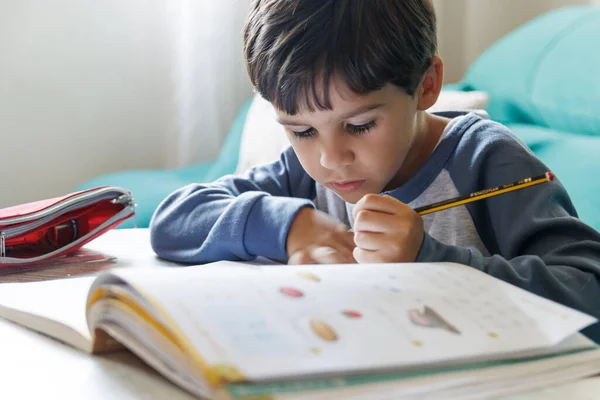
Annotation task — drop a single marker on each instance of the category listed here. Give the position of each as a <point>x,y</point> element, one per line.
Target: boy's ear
<point>431,85</point>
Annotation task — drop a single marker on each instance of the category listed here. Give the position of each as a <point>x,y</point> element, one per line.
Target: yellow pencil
<point>484,194</point>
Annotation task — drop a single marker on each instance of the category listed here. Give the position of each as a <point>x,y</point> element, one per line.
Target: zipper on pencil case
<point>121,215</point>
<point>76,202</point>
<point>73,203</point>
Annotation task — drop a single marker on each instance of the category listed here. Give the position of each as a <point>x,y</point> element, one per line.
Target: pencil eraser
<point>550,175</point>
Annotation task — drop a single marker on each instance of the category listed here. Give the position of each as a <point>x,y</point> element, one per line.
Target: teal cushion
<point>566,88</point>
<point>150,187</point>
<point>575,162</point>
<point>543,72</point>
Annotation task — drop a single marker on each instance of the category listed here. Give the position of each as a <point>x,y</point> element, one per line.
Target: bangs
<point>294,54</point>
<point>308,89</point>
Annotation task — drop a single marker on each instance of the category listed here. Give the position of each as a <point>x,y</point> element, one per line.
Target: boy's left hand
<point>386,230</point>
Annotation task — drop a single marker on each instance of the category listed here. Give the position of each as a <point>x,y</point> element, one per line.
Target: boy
<point>350,81</point>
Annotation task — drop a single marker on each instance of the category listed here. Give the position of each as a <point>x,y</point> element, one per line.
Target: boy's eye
<point>359,129</point>
<point>310,132</point>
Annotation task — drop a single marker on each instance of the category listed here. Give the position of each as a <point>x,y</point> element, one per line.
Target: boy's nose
<point>336,156</point>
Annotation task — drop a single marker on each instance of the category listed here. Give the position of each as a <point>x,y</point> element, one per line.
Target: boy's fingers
<point>366,256</point>
<point>329,255</point>
<point>369,240</point>
<point>374,221</point>
<point>301,257</point>
<point>344,237</point>
<point>348,240</point>
<point>376,202</point>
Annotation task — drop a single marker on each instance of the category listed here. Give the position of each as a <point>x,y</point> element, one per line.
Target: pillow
<point>543,72</point>
<point>456,100</point>
<point>263,139</point>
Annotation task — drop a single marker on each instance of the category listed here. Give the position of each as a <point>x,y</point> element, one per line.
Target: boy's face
<point>363,145</point>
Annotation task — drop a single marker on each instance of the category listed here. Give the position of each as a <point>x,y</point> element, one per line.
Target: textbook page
<point>286,321</point>
<point>55,308</point>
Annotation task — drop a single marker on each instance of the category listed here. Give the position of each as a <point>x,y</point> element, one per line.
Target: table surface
<point>34,366</point>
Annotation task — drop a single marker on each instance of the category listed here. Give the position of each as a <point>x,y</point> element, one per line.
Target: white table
<point>33,366</point>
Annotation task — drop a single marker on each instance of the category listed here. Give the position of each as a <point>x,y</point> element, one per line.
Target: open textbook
<point>235,330</point>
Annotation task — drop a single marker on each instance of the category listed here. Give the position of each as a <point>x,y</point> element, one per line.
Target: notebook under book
<point>234,330</point>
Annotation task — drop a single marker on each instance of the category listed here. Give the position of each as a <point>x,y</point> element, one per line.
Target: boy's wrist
<point>310,227</point>
<point>298,230</point>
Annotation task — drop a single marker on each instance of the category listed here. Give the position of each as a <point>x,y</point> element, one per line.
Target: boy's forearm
<point>234,218</point>
<point>200,224</point>
<point>187,225</point>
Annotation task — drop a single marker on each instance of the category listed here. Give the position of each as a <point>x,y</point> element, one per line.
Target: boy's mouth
<point>347,186</point>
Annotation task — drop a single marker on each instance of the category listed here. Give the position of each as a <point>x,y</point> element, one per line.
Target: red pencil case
<point>43,230</point>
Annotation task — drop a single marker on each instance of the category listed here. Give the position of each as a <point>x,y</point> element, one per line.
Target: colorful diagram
<point>428,318</point>
<point>352,314</point>
<point>323,330</point>
<point>309,276</point>
<point>291,292</point>
<point>315,351</point>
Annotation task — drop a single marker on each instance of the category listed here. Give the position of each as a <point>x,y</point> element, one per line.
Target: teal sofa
<point>150,187</point>
<point>542,82</point>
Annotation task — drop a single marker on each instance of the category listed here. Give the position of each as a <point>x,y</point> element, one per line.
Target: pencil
<point>484,194</point>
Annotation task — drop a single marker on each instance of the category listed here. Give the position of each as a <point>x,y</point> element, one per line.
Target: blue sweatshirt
<point>530,238</point>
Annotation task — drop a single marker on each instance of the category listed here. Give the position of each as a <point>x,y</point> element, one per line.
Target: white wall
<point>82,92</point>
<point>467,27</point>
<point>87,87</point>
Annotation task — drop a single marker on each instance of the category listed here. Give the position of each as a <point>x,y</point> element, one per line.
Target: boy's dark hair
<point>291,45</point>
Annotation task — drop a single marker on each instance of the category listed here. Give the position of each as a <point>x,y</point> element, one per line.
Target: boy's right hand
<point>316,238</point>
